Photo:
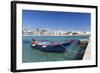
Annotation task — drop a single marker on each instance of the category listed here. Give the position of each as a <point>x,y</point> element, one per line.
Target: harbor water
<point>29,54</point>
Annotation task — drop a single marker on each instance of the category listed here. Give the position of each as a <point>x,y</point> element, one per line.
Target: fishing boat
<point>58,47</point>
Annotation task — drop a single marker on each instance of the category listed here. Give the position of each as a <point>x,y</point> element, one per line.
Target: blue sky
<point>67,21</point>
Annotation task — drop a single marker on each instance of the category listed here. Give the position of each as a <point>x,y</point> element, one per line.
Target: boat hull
<point>58,48</point>
<point>52,48</point>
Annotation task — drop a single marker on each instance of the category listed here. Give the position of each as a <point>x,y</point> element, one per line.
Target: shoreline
<point>57,35</point>
<point>87,54</point>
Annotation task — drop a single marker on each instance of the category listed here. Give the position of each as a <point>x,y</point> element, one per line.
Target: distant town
<point>47,32</point>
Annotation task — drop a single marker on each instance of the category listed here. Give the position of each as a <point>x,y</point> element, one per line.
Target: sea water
<point>29,54</point>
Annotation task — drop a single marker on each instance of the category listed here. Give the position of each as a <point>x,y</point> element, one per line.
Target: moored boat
<point>58,47</point>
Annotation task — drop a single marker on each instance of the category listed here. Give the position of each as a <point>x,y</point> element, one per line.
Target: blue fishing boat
<point>58,47</point>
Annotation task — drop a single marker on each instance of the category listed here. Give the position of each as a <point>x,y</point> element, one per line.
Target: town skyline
<point>31,29</point>
<point>47,32</point>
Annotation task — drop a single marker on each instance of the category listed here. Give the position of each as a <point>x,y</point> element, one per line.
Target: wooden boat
<point>51,46</point>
